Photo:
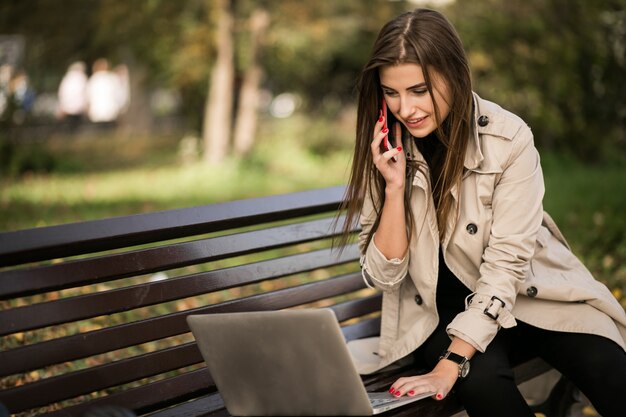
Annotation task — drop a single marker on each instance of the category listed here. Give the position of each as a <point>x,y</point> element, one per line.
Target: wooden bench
<point>93,314</point>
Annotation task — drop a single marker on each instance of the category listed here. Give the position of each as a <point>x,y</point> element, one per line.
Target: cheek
<point>442,106</point>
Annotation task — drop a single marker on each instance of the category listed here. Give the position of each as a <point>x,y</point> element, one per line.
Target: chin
<point>420,133</point>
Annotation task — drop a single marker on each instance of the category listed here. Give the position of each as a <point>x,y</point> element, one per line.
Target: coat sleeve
<point>517,214</point>
<point>378,271</point>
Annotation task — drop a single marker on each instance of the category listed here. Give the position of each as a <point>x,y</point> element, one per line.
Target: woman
<point>473,272</point>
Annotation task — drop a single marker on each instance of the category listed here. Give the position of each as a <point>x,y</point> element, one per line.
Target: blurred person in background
<point>103,94</point>
<point>18,99</point>
<point>475,276</point>
<point>73,94</point>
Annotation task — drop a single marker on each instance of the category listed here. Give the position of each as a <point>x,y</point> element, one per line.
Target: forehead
<point>401,76</point>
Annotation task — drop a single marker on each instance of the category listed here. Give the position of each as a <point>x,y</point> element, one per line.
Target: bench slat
<point>70,385</point>
<point>209,405</point>
<point>114,301</point>
<point>70,274</point>
<point>98,235</point>
<point>149,397</point>
<point>358,307</point>
<point>130,334</point>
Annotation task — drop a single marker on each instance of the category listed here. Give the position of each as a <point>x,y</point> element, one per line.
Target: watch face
<point>465,369</point>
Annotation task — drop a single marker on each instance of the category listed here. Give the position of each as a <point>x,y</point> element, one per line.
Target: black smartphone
<point>388,141</point>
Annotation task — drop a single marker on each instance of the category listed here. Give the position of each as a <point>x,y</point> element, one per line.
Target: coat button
<point>471,228</point>
<point>418,299</point>
<point>483,121</point>
<point>531,291</point>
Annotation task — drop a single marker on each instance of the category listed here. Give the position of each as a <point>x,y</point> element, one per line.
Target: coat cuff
<point>481,320</point>
<point>380,272</point>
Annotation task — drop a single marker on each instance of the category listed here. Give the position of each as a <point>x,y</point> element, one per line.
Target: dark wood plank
<point>130,334</point>
<point>358,307</point>
<point>149,397</point>
<point>22,282</point>
<point>98,235</point>
<point>114,301</point>
<point>72,384</point>
<point>365,328</point>
<point>210,405</point>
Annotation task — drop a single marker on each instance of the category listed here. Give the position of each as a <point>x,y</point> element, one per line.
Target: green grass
<point>588,203</point>
<point>151,177</point>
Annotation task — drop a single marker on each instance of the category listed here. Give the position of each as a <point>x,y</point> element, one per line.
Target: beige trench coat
<point>503,247</point>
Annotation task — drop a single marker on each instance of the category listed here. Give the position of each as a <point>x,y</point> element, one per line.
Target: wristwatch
<point>462,361</point>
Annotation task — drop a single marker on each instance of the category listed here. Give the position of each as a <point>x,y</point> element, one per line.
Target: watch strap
<point>461,361</point>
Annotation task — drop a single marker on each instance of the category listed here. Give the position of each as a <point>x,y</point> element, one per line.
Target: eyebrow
<point>408,88</point>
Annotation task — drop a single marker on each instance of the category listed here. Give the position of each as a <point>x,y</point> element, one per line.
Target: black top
<point>451,292</point>
<point>433,152</point>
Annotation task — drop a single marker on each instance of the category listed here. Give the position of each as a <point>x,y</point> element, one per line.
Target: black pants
<point>596,365</point>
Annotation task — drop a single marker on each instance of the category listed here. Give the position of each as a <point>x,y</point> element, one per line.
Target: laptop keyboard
<point>380,401</point>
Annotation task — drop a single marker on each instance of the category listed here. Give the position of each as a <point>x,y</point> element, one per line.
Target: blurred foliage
<point>560,64</point>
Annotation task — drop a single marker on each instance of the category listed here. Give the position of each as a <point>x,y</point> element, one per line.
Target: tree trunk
<point>246,120</point>
<point>218,108</point>
<point>137,119</point>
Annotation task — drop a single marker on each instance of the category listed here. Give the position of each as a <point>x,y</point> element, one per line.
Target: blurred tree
<point>317,49</point>
<point>558,63</point>
<point>249,95</point>
<point>218,109</point>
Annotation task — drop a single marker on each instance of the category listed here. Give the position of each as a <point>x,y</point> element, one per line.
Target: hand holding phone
<point>386,144</point>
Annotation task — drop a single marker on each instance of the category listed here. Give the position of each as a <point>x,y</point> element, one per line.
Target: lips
<point>416,122</point>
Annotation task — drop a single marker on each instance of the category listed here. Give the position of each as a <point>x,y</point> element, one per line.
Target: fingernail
<point>399,148</point>
<point>385,130</point>
<point>411,393</point>
<point>391,390</point>
<point>439,396</point>
<point>397,393</point>
<point>380,119</point>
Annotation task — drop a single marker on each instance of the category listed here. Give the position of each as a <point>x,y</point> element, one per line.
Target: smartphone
<point>388,141</point>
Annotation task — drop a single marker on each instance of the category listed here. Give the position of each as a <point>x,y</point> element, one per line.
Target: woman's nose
<point>406,108</point>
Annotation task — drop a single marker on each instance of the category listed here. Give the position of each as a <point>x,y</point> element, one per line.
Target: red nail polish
<point>385,130</point>
<point>380,119</point>
<point>411,393</point>
<point>391,390</point>
<point>397,394</point>
<point>439,396</point>
<point>399,148</point>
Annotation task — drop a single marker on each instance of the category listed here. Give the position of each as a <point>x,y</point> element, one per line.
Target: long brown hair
<point>424,37</point>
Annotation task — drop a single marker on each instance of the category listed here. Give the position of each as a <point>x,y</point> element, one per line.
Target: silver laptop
<point>285,363</point>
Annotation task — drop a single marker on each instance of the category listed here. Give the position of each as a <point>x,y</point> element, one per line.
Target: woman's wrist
<point>448,369</point>
<point>394,190</point>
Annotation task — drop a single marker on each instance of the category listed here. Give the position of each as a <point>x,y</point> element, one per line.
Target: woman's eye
<point>390,93</point>
<point>420,92</point>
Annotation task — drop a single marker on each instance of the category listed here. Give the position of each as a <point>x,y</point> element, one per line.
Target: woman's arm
<point>391,235</point>
<point>384,260</point>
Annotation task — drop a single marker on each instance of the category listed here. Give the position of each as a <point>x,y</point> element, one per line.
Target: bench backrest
<point>93,313</point>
